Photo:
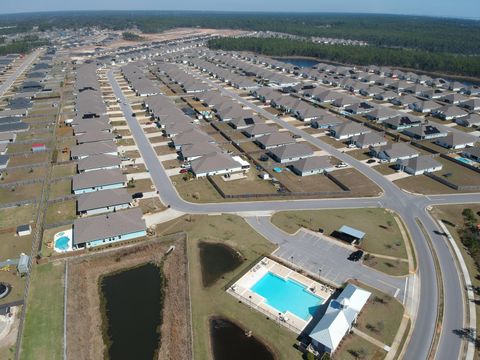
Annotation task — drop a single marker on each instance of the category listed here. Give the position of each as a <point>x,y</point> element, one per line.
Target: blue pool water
<point>62,243</point>
<point>288,295</point>
<point>465,160</point>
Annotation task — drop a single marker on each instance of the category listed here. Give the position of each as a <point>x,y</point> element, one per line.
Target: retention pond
<point>132,305</point>
<point>216,260</point>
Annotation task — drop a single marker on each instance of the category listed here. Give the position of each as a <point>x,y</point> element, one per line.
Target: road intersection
<point>423,307</point>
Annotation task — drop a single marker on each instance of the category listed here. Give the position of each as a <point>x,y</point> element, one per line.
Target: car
<point>183,171</point>
<point>371,161</point>
<point>341,165</point>
<point>295,136</point>
<point>137,195</point>
<point>134,115</point>
<point>355,256</point>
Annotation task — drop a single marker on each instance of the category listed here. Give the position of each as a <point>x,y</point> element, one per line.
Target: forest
<point>459,36</point>
<point>22,45</point>
<point>450,64</point>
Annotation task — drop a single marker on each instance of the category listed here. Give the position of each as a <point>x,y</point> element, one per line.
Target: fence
<point>468,166</point>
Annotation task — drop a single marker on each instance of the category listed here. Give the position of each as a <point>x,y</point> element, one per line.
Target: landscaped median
<point>384,243</point>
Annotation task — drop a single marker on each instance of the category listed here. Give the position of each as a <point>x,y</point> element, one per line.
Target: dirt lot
<point>84,325</point>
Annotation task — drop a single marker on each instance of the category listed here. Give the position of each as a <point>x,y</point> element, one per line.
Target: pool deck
<point>241,290</point>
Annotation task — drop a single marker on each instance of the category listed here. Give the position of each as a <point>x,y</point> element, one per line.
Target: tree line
<point>449,64</point>
<point>22,45</point>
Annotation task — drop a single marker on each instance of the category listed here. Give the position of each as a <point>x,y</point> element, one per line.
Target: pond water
<point>216,260</point>
<point>308,63</point>
<point>229,342</point>
<point>133,305</point>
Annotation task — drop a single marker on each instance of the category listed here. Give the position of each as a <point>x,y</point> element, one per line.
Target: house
<point>110,228</point>
<point>403,100</point>
<point>242,123</point>
<point>98,162</point>
<point>339,318</point>
<point>425,132</point>
<point>215,163</point>
<point>189,137</point>
<point>369,139</point>
<point>419,165</point>
<point>454,98</point>
<point>402,122</point>
<point>291,152</point>
<point>259,130</point>
<point>194,151</point>
<point>98,180</point>
<point>274,140</point>
<point>94,136</point>
<point>4,160</point>
<point>342,101</point>
<point>468,121</point>
<point>449,112</point>
<point>326,121</point>
<point>360,108</point>
<point>309,113</point>
<point>312,165</point>
<point>472,104</point>
<point>24,230</point>
<point>425,106</point>
<point>38,147</point>
<point>7,137</point>
<point>98,148</point>
<point>393,152</point>
<point>103,201</point>
<point>472,153</point>
<point>348,129</point>
<point>380,114</point>
<point>456,140</point>
<point>385,95</point>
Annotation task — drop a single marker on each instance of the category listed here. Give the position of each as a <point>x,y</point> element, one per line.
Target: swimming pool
<point>287,295</point>
<point>465,160</point>
<point>63,241</point>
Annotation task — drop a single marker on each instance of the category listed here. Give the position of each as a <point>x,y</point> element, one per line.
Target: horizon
<point>444,9</point>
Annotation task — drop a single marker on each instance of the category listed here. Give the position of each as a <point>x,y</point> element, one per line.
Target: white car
<point>341,165</point>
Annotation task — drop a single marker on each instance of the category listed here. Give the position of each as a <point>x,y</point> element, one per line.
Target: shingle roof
<point>100,199</point>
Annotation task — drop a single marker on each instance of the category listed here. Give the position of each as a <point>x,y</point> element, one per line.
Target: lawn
<point>11,245</point>
<point>17,215</point>
<point>15,193</point>
<point>43,332</point>
<point>196,190</point>
<point>13,175</point>
<point>61,211</point>
<point>151,205</point>
<point>60,188</point>
<point>47,239</point>
<point>16,282</point>
<point>28,159</point>
<point>422,184</point>
<point>214,301</point>
<point>383,235</point>
<point>353,347</point>
<point>381,316</point>
<point>59,171</point>
<point>252,184</point>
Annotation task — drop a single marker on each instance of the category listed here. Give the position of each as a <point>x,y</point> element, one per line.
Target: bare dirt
<point>84,318</point>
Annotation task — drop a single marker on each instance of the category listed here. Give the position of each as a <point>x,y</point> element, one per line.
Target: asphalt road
<point>11,79</point>
<point>409,206</point>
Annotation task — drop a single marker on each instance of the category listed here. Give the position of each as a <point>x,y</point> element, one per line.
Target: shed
<point>38,147</point>
<point>350,234</point>
<point>23,262</point>
<point>24,230</point>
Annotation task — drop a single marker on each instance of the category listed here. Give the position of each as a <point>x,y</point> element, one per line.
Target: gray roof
<point>420,163</point>
<point>260,129</point>
<point>100,199</point>
<point>98,178</point>
<point>350,128</point>
<point>475,151</point>
<point>371,138</point>
<point>275,139</point>
<point>102,147</point>
<point>213,162</point>
<point>89,125</point>
<point>98,161</point>
<point>396,150</point>
<point>198,149</point>
<point>296,150</point>
<point>312,163</point>
<point>192,136</point>
<point>94,136</point>
<point>106,226</point>
<point>457,138</point>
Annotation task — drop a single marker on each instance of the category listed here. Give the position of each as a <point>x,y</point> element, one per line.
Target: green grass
<point>64,170</point>
<point>18,215</point>
<point>383,236</point>
<point>16,282</point>
<point>60,188</point>
<point>381,316</point>
<point>61,211</point>
<point>388,266</point>
<point>11,245</point>
<point>214,301</point>
<point>353,343</point>
<point>43,332</point>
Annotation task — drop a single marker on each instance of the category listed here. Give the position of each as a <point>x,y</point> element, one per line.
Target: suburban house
<point>312,165</point>
<point>189,137</point>
<point>291,152</point>
<point>471,104</point>
<point>419,165</point>
<point>368,139</point>
<point>103,201</point>
<point>403,100</point>
<point>194,151</point>
<point>425,132</point>
<point>402,122</point>
<point>217,164</point>
<point>94,136</point>
<point>309,113</point>
<point>98,180</point>
<point>472,153</point>
<point>98,148</point>
<point>468,121</point>
<point>98,162</point>
<point>274,140</point>
<point>425,106</point>
<point>339,318</point>
<point>380,114</point>
<point>4,160</point>
<point>326,121</point>
<point>255,131</point>
<point>449,112</point>
<point>393,152</point>
<point>348,129</point>
<point>7,137</point>
<point>242,123</point>
<point>104,229</point>
<point>456,140</point>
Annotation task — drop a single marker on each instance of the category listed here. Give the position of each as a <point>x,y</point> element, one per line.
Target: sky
<point>443,8</point>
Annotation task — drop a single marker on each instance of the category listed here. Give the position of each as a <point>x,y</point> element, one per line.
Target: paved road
<point>409,206</point>
<point>11,79</point>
